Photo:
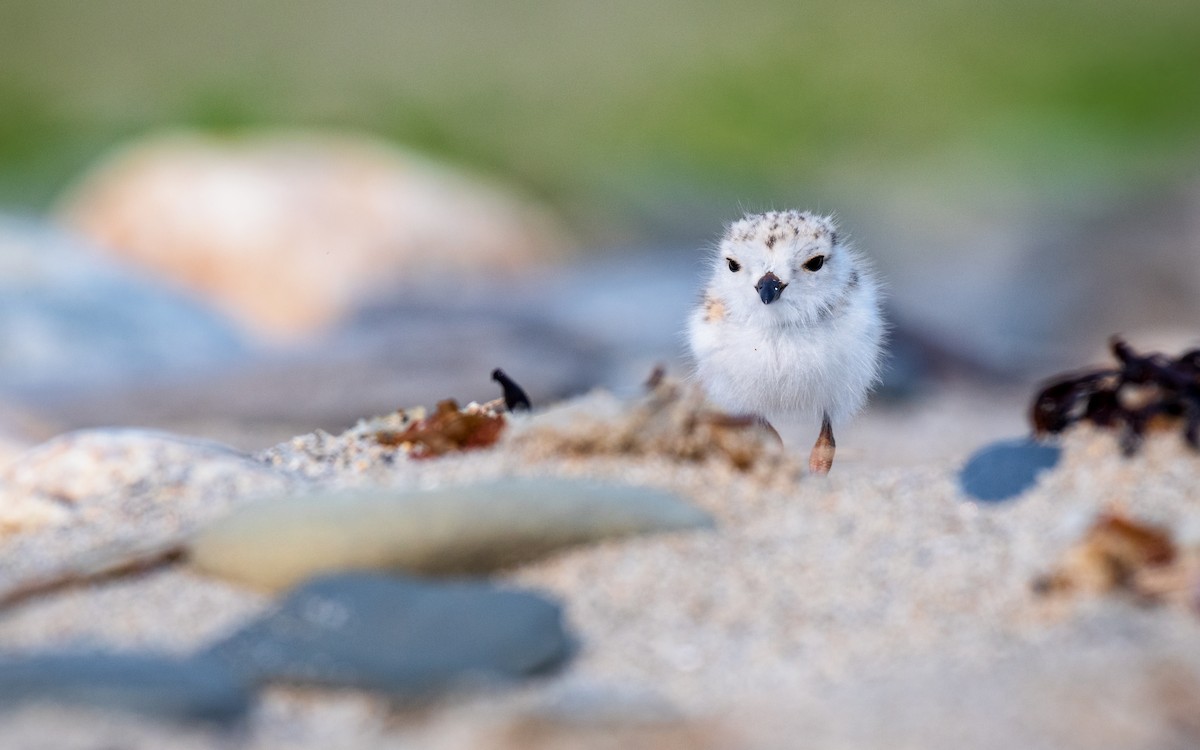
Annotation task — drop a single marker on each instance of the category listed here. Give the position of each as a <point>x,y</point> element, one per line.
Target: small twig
<point>514,396</point>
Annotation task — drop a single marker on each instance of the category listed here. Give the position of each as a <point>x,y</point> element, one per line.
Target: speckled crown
<point>773,226</point>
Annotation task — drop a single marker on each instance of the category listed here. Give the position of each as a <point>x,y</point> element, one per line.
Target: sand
<point>877,607</point>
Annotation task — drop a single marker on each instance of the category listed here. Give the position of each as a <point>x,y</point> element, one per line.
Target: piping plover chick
<point>789,322</point>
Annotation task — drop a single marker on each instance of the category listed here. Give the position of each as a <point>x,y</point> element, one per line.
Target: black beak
<point>769,288</point>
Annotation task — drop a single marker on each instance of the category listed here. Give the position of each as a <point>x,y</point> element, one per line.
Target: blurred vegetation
<point>614,111</point>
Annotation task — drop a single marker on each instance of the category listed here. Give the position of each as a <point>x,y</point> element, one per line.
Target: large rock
<point>123,466</point>
<point>79,466</point>
<point>288,232</point>
<point>83,502</point>
<point>400,636</point>
<point>467,529</point>
<point>71,318</point>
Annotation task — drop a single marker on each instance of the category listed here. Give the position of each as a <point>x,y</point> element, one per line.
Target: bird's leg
<point>821,458</point>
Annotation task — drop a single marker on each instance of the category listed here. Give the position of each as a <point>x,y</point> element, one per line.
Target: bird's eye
<point>814,263</point>
<point>733,265</point>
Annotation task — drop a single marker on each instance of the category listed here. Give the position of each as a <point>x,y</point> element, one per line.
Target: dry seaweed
<point>448,430</point>
<point>671,420</point>
<point>1141,392</point>
<point>1119,554</point>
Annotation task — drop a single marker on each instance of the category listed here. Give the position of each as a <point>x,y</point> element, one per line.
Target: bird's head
<point>782,266</point>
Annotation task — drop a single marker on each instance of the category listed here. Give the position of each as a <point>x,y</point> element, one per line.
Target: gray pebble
<point>160,687</point>
<point>1006,469</point>
<point>400,636</point>
<point>71,319</point>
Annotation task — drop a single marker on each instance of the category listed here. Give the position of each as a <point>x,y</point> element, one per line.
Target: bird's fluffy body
<point>814,348</point>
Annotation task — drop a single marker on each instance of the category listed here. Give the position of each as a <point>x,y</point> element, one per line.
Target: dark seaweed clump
<point>1141,391</point>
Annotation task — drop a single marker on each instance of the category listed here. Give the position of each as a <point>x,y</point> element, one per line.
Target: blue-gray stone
<point>1006,469</point>
<point>198,689</point>
<point>71,318</point>
<point>400,636</point>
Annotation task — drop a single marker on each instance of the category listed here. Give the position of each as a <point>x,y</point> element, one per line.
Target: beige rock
<point>453,530</point>
<point>23,512</point>
<point>289,231</point>
<point>89,463</point>
<point>89,475</point>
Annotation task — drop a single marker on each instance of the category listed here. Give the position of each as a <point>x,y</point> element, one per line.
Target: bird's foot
<point>820,461</point>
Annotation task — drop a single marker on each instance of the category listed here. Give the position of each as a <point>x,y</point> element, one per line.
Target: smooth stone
<point>1006,469</point>
<point>477,528</point>
<point>87,464</point>
<point>69,318</point>
<point>400,636</point>
<point>289,232</point>
<point>198,689</point>
<point>128,475</point>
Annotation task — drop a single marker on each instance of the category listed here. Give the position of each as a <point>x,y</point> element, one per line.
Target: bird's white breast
<point>761,367</point>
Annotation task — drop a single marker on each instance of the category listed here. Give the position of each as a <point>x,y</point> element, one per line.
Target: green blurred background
<point>633,118</point>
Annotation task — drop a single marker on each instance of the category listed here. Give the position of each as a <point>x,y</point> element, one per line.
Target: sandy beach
<point>419,375</point>
<point>878,607</point>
